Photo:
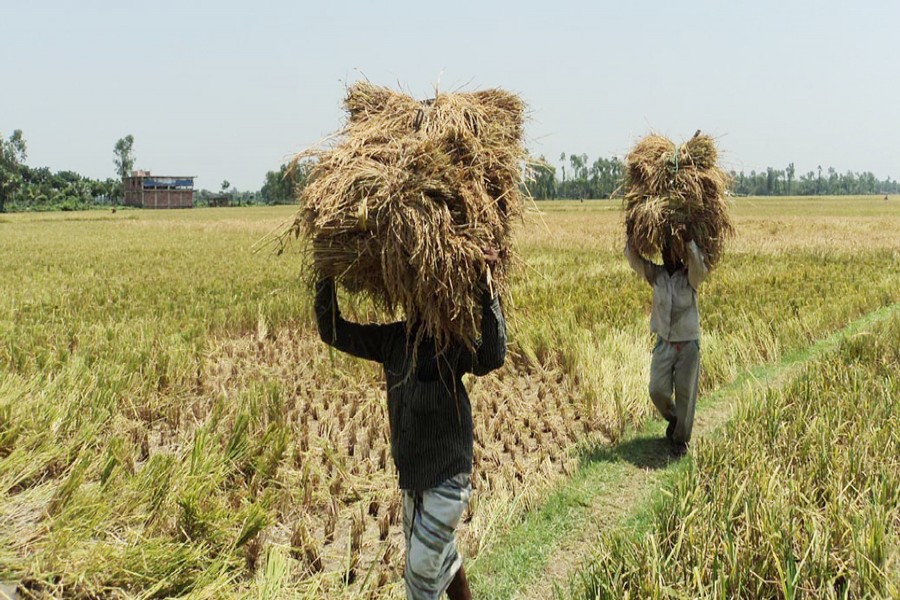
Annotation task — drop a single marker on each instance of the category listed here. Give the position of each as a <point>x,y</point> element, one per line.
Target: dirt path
<point>617,480</point>
<point>647,459</point>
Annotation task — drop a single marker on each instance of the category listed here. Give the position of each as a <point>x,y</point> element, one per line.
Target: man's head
<point>670,259</point>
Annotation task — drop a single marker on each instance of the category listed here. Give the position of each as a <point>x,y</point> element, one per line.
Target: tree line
<point>785,182</point>
<point>24,188</point>
<point>584,178</point>
<point>602,177</point>
<point>28,188</point>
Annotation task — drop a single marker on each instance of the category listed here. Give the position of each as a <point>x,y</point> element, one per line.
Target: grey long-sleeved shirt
<point>429,412</point>
<point>675,316</point>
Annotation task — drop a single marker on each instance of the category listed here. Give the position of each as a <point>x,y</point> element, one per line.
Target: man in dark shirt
<point>430,428</point>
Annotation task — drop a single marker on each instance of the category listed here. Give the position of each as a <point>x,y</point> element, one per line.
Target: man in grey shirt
<point>676,322</point>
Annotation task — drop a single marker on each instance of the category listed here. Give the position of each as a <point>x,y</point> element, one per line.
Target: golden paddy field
<point>171,425</point>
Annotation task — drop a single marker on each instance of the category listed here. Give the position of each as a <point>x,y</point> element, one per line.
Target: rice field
<point>170,424</point>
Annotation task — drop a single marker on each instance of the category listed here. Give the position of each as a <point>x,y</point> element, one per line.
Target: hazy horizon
<point>220,91</point>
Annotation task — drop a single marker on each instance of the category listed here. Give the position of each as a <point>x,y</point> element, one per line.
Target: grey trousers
<point>676,366</point>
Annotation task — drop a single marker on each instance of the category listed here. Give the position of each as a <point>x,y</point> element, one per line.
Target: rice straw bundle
<point>675,193</point>
<point>401,207</point>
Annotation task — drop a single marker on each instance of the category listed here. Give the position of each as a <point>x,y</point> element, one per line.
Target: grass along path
<point>551,543</point>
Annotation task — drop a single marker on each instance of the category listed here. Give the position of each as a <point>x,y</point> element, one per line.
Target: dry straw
<point>401,206</point>
<point>675,193</point>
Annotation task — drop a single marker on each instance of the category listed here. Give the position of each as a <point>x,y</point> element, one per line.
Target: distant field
<point>170,423</point>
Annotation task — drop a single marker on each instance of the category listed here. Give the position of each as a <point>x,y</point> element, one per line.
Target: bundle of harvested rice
<point>676,193</point>
<point>402,205</point>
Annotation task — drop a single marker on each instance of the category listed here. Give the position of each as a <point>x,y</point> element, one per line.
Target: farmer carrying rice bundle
<point>412,208</point>
<point>401,207</point>
<point>675,208</point>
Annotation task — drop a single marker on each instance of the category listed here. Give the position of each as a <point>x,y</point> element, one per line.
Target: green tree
<point>12,154</point>
<point>225,185</point>
<point>833,181</point>
<point>124,159</point>
<point>124,156</point>
<point>283,185</point>
<point>276,189</point>
<point>579,173</point>
<point>543,180</point>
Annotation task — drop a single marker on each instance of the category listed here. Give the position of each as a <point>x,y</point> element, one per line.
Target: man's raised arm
<point>640,265</point>
<point>696,266</point>
<point>363,341</point>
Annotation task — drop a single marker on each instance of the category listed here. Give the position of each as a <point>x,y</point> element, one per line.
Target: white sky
<point>227,90</point>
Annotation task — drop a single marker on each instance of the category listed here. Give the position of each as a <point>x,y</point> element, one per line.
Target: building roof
<point>148,175</point>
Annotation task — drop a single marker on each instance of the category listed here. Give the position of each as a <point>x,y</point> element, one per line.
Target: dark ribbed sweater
<point>428,408</point>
